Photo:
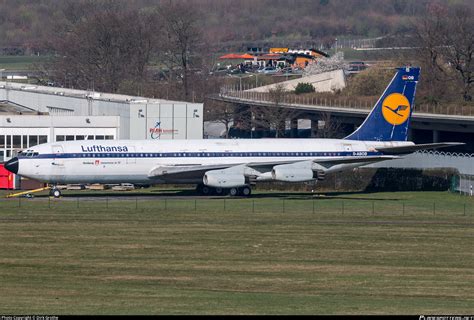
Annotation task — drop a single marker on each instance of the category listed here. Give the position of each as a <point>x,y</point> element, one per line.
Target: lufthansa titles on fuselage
<point>99,148</point>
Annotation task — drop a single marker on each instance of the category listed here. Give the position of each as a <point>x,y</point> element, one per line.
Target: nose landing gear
<point>55,192</point>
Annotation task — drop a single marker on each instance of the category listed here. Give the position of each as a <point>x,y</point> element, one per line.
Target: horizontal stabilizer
<point>417,147</point>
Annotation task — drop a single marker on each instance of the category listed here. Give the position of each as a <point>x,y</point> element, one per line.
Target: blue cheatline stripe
<point>202,154</point>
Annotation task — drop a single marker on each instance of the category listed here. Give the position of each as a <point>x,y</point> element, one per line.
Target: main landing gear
<point>244,191</point>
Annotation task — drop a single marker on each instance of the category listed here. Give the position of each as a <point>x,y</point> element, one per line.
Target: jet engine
<point>292,174</point>
<point>221,179</point>
<point>298,172</point>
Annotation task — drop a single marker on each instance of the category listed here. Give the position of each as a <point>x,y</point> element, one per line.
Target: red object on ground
<point>7,179</point>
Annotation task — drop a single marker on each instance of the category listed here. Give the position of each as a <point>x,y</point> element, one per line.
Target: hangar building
<point>30,115</point>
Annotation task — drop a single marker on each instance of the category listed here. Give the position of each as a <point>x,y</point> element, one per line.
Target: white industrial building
<point>30,115</point>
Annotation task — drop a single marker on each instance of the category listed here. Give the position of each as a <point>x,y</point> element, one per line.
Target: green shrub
<point>370,82</point>
<point>303,87</point>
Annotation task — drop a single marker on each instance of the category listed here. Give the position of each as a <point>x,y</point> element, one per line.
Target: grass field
<point>20,62</point>
<point>381,253</point>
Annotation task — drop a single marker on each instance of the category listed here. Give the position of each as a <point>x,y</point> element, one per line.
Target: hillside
<point>226,24</point>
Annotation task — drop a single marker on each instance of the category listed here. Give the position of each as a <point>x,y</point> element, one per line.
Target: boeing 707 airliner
<point>231,166</point>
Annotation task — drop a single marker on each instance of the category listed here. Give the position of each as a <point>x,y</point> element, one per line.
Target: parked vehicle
<point>356,67</point>
<point>268,70</point>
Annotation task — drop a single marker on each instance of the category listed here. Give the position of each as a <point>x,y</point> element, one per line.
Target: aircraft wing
<point>196,171</point>
<point>327,163</point>
<point>188,171</point>
<point>417,147</point>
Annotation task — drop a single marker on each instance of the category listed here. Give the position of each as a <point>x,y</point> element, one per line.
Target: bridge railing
<point>234,93</point>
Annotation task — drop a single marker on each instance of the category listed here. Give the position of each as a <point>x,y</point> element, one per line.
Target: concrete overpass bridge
<point>429,124</point>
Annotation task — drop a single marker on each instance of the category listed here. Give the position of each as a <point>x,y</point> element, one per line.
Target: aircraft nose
<point>12,165</point>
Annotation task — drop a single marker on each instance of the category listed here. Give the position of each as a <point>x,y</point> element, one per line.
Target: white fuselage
<point>129,161</point>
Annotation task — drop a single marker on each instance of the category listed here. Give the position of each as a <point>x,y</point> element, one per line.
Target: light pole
<point>240,79</point>
<point>336,47</point>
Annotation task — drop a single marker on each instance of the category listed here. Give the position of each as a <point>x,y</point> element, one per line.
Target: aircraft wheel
<point>55,193</point>
<point>246,191</point>
<point>199,188</point>
<point>233,192</point>
<point>219,191</point>
<point>205,190</point>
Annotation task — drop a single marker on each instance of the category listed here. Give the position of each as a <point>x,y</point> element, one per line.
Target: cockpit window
<point>29,153</point>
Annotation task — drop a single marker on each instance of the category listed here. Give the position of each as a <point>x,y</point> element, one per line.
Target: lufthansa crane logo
<point>396,109</point>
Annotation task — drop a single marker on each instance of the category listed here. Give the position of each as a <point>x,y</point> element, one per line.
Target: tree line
<point>110,46</point>
<point>28,23</point>
<point>163,48</point>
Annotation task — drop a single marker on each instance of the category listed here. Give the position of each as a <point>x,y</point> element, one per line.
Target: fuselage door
<point>58,153</point>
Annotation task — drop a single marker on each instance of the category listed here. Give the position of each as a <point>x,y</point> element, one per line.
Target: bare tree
<point>222,112</point>
<point>446,40</point>
<point>105,49</point>
<point>459,52</point>
<point>182,39</point>
<point>330,127</point>
<point>278,93</point>
<point>275,116</point>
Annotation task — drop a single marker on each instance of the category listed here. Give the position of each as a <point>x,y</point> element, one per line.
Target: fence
<point>80,206</point>
<point>239,93</point>
<point>356,43</point>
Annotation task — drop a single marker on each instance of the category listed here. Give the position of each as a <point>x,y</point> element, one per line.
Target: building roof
<point>324,54</point>
<point>270,56</point>
<point>82,94</point>
<point>236,56</point>
<point>8,107</point>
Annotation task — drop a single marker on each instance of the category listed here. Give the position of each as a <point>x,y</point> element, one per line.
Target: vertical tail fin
<point>390,117</point>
